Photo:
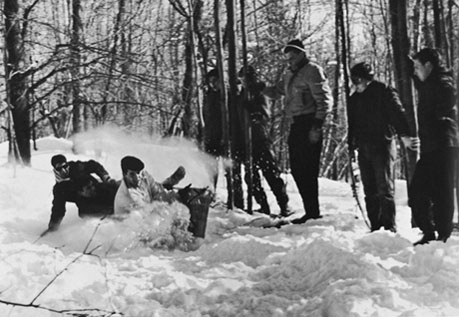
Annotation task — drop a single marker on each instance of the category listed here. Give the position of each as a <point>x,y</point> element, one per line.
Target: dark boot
<point>304,219</point>
<point>286,211</point>
<point>175,178</point>
<point>426,238</point>
<point>264,208</point>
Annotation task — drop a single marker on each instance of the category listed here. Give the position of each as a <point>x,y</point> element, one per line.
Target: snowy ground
<point>327,267</point>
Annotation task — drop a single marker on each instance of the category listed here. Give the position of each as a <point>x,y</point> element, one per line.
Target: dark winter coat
<point>69,190</point>
<point>437,112</point>
<point>213,126</point>
<point>257,106</point>
<point>376,115</point>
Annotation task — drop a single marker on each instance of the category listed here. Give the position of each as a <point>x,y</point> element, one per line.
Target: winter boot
<point>175,178</point>
<point>426,238</point>
<point>264,208</point>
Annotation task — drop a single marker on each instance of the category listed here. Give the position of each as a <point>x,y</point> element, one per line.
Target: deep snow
<point>327,267</point>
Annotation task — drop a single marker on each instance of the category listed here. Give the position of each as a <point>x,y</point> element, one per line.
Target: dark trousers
<point>263,159</point>
<point>236,194</point>
<point>305,162</point>
<point>377,163</point>
<point>432,192</point>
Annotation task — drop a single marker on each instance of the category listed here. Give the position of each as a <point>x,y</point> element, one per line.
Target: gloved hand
<point>184,194</point>
<point>411,143</point>
<point>315,134</point>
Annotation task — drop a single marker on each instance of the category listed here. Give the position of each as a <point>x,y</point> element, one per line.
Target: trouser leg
<point>257,190</point>
<point>420,196</point>
<point>443,192</point>
<point>304,162</point>
<point>236,193</point>
<point>266,162</point>
<point>367,175</point>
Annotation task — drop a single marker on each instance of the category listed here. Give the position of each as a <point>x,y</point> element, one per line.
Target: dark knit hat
<point>250,71</point>
<point>362,70</point>
<point>57,159</point>
<point>131,163</point>
<point>212,73</point>
<point>431,55</point>
<point>294,45</point>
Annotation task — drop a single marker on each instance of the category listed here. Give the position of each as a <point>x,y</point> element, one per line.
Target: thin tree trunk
<point>75,61</point>
<point>416,24</point>
<point>16,91</point>
<point>232,55</point>
<point>223,101</point>
<point>247,123</point>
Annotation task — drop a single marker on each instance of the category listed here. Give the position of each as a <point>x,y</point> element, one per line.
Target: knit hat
<point>131,163</point>
<point>294,45</point>
<point>57,159</point>
<point>362,70</point>
<point>250,71</point>
<point>212,73</point>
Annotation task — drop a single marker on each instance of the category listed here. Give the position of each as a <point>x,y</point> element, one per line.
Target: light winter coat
<point>128,199</point>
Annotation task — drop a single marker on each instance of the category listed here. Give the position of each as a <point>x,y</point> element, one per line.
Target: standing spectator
<point>432,186</point>
<point>213,137</point>
<point>263,156</point>
<point>375,114</point>
<point>308,100</point>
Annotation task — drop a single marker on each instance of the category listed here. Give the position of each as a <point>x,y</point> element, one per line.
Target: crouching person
<point>138,189</point>
<point>75,183</point>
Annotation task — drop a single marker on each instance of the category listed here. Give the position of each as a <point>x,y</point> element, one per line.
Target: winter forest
<point>102,79</point>
<point>70,66</point>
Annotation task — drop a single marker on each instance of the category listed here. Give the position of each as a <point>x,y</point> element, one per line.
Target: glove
<point>315,134</point>
<point>411,143</point>
<point>184,193</point>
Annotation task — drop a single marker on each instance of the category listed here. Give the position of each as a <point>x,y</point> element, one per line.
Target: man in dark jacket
<point>262,153</point>
<point>375,114</point>
<point>74,183</point>
<point>432,186</point>
<point>213,137</point>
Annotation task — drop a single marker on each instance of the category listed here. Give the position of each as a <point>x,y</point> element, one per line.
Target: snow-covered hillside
<point>327,267</point>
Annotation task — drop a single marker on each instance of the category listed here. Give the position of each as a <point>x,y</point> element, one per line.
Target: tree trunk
<point>223,100</point>
<point>246,119</point>
<point>403,72</point>
<point>75,61</point>
<point>16,82</point>
<point>232,55</point>
<point>190,124</point>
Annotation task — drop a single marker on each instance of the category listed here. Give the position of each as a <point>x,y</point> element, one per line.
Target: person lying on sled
<point>138,189</point>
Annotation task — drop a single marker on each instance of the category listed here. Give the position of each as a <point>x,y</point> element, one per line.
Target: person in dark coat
<point>262,153</point>
<point>213,138</point>
<point>74,183</point>
<point>375,115</point>
<point>432,186</point>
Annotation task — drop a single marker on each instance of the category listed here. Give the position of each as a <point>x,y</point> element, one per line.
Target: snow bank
<point>327,267</point>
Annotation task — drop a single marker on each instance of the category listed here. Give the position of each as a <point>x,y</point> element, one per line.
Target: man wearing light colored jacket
<point>308,100</point>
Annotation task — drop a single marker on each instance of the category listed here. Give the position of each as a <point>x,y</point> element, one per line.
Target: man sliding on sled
<point>93,197</point>
<point>138,189</point>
